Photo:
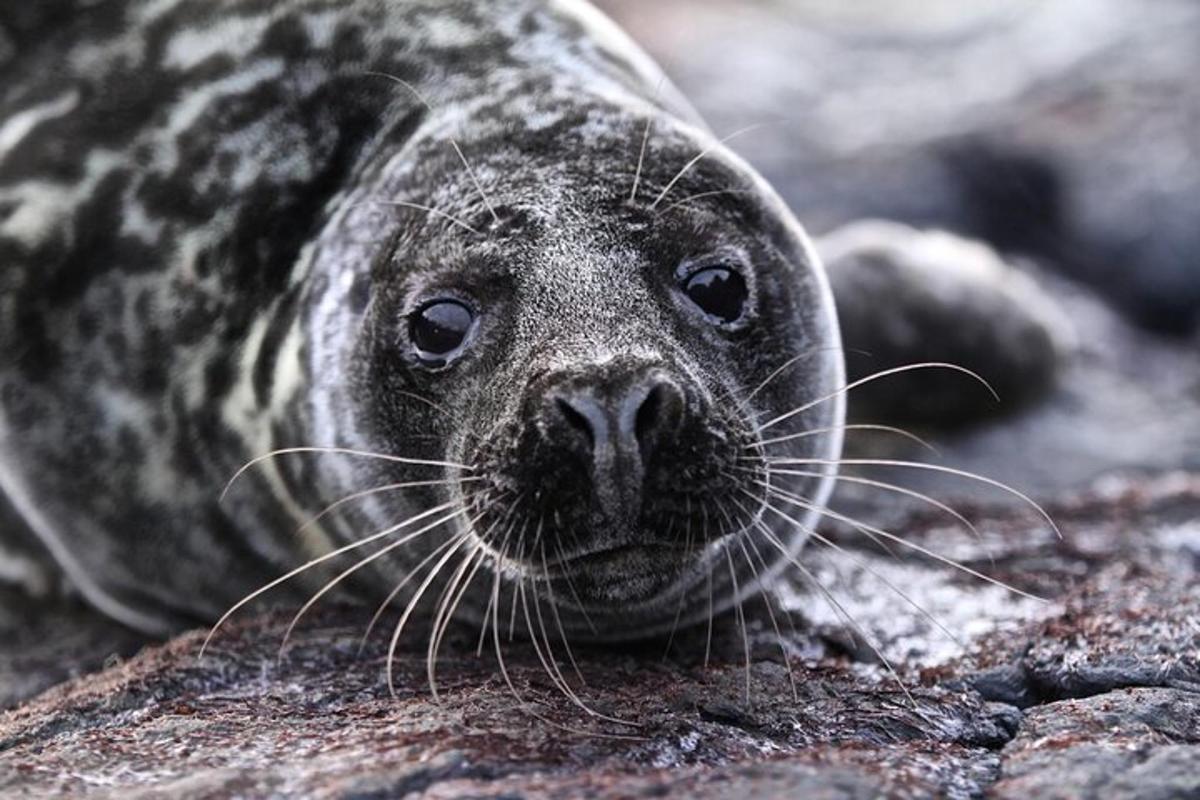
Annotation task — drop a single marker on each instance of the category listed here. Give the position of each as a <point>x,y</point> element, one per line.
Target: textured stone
<point>1104,674</point>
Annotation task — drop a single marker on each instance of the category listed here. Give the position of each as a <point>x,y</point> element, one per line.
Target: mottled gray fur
<point>199,265</point>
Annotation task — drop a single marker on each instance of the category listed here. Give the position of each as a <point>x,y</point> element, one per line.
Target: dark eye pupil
<point>718,291</point>
<point>440,327</point>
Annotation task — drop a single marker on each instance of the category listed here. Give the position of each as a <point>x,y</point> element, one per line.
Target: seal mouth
<point>609,557</point>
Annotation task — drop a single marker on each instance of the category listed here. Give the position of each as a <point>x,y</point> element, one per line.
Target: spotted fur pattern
<point>199,266</point>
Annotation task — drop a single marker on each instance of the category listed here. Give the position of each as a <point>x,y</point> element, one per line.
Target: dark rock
<point>1131,743</point>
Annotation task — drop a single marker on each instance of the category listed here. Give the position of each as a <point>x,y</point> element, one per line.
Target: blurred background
<point>1065,133</point>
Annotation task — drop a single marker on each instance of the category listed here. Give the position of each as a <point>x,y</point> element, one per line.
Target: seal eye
<point>720,292</point>
<point>439,328</point>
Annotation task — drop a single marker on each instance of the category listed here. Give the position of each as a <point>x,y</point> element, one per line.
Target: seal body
<point>232,228</point>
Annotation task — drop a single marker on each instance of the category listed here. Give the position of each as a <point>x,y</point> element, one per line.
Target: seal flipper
<point>907,296</point>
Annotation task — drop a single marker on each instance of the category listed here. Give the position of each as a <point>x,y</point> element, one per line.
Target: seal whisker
<point>562,632</point>
<point>447,605</point>
<point>699,156</point>
<point>550,663</point>
<point>451,598</point>
<point>867,568</point>
<point>874,377</point>
<point>387,601</point>
<point>475,180</point>
<point>805,434</point>
<point>833,602</point>
<point>709,633</point>
<point>320,560</point>
<point>453,143</point>
<point>501,558</point>
<point>512,620</point>
<point>699,196</point>
<point>687,546</point>
<point>390,487</point>
<point>786,365</point>
<point>741,618</point>
<point>422,399</point>
<point>344,451</point>
<point>431,210</point>
<point>637,175</point>
<point>574,592</point>
<point>765,595</point>
<point>512,688</point>
<point>883,462</point>
<point>891,537</point>
<point>891,487</point>
<point>351,570</point>
<point>460,540</point>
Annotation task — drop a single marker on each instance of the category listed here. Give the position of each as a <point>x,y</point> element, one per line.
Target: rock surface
<point>1094,692</point>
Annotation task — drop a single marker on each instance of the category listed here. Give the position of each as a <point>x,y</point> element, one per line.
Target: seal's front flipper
<point>907,296</point>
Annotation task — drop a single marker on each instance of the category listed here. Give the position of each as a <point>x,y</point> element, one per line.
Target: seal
<point>473,272</point>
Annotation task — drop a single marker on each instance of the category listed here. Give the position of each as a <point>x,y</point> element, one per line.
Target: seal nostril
<point>576,420</point>
<point>649,414</point>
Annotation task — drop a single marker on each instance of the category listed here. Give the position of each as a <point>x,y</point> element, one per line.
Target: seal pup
<point>476,265</point>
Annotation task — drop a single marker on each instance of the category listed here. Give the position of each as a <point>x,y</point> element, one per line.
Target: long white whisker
<point>741,617</point>
<point>891,487</point>
<point>562,632</point>
<point>574,592</point>
<point>637,175</point>
<point>787,662</point>
<point>403,540</point>
<point>879,462</point>
<point>512,688</point>
<point>391,487</point>
<point>867,568</point>
<point>447,605</point>
<point>699,156</point>
<point>708,635</point>
<point>502,556</point>
<point>874,377</point>
<point>891,537</point>
<point>699,196</point>
<point>421,98</point>
<point>387,601</point>
<point>416,598</point>
<point>550,665</point>
<point>445,612</point>
<point>437,212</point>
<point>805,434</point>
<point>474,179</point>
<point>345,451</point>
<point>784,366</point>
<point>837,606</point>
<point>319,560</point>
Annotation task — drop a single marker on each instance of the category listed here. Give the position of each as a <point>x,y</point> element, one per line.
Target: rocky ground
<point>1094,692</point>
<point>1091,691</point>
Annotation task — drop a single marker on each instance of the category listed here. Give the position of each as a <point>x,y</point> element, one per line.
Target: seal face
<point>544,319</point>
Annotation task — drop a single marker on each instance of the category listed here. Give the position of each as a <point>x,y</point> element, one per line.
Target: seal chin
<point>620,575</point>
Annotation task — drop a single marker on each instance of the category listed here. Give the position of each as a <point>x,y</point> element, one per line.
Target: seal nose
<point>617,425</point>
<point>631,420</point>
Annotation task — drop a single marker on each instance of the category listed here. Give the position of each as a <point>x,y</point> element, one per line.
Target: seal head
<point>599,360</point>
